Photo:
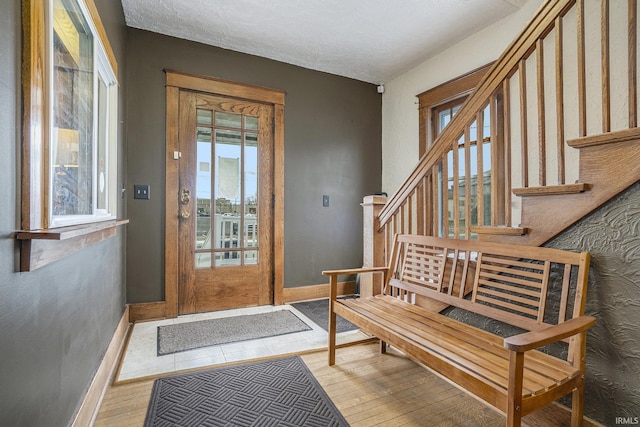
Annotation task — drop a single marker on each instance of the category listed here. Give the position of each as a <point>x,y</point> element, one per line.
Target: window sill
<point>42,247</point>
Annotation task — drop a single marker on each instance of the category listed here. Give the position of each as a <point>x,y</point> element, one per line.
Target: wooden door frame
<point>175,81</point>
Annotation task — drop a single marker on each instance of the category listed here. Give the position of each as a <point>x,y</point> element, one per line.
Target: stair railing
<point>571,75</point>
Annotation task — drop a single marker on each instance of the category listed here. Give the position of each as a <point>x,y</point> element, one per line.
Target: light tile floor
<point>141,358</point>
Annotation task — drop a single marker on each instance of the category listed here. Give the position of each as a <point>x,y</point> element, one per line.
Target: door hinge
<point>273,200</point>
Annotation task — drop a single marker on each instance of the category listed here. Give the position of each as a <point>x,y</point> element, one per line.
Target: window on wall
<point>70,122</point>
<point>69,149</point>
<point>438,105</point>
<point>82,116</point>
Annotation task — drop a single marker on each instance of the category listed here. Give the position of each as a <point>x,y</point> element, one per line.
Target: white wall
<point>399,102</point>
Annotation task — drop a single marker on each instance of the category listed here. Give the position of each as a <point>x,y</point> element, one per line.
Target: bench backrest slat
<point>528,287</point>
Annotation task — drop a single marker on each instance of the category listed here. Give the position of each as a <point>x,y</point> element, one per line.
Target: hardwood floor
<point>369,389</point>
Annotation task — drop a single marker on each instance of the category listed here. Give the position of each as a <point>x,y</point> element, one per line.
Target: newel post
<point>373,245</point>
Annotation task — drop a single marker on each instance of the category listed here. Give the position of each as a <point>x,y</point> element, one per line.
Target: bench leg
<point>577,406</point>
<point>513,417</point>
<point>333,294</point>
<point>383,347</point>
<point>514,403</point>
<point>332,338</point>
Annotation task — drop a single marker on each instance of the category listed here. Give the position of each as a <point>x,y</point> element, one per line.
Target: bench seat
<point>458,348</point>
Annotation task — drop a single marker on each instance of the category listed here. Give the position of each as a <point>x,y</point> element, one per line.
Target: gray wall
<point>56,322</point>
<point>332,146</point>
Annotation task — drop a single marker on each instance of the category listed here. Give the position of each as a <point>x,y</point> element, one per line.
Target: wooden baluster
<point>480,168</point>
<point>410,204</point>
<point>420,211</point>
<point>560,100</point>
<point>395,223</point>
<point>523,124</point>
<point>632,66</point>
<point>497,173</point>
<point>403,223</point>
<point>542,143</point>
<point>445,196</point>
<point>456,190</point>
<point>435,203</point>
<point>582,84</point>
<point>506,96</point>
<point>467,180</point>
<point>427,209</point>
<point>606,72</point>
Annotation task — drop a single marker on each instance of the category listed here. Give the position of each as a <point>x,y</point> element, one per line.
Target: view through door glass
<point>226,189</point>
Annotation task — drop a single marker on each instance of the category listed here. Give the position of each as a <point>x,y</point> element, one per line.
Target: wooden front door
<point>224,203</point>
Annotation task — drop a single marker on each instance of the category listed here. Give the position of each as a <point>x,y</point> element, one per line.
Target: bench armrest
<point>354,271</point>
<point>542,337</point>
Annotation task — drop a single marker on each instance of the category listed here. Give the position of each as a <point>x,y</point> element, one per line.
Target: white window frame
<point>103,70</point>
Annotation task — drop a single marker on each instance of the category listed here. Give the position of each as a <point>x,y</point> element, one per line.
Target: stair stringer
<point>608,169</point>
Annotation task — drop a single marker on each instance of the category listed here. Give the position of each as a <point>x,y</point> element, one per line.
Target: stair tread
<point>551,190</point>
<point>500,230</point>
<point>605,138</point>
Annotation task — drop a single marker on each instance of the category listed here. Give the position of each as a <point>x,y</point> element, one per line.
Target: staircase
<point>557,115</point>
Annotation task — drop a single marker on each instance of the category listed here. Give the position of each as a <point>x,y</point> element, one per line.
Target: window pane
<point>103,108</point>
<point>443,119</point>
<point>204,117</point>
<point>71,148</point>
<point>229,258</point>
<point>203,260</point>
<point>251,257</point>
<point>228,120</point>
<point>250,123</point>
<point>251,190</point>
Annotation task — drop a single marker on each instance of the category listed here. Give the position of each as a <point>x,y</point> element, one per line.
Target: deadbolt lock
<point>185,196</point>
<point>185,214</point>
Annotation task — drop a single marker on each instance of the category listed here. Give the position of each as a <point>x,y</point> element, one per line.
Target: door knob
<point>185,214</point>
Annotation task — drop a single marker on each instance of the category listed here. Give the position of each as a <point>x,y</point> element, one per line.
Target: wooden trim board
<point>303,293</point>
<point>147,311</point>
<point>88,409</point>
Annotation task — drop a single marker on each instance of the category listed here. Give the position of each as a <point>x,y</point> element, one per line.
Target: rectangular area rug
<point>318,312</point>
<point>204,333</point>
<point>279,392</point>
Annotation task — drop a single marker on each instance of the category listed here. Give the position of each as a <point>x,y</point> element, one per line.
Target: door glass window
<point>226,189</point>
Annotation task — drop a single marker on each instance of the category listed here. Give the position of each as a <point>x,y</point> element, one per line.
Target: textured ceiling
<point>368,40</point>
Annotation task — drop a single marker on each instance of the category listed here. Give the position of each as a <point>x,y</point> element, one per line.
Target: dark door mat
<point>280,392</point>
<point>318,311</point>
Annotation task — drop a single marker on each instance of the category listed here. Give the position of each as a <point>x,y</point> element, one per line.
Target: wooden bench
<point>539,293</point>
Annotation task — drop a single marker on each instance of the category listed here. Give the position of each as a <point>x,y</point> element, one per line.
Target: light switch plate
<point>325,200</point>
<point>142,191</point>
